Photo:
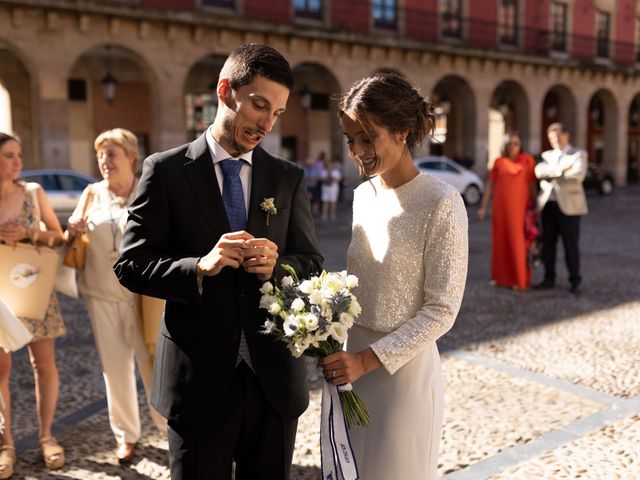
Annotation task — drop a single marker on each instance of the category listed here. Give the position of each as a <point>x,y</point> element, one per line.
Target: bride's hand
<point>345,367</point>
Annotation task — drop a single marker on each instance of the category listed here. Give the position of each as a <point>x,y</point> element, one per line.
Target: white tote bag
<point>13,334</point>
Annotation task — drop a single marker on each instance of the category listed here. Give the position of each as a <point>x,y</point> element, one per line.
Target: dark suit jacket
<point>176,218</point>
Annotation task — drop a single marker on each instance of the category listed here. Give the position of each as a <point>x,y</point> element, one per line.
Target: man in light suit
<point>562,202</point>
<point>202,234</point>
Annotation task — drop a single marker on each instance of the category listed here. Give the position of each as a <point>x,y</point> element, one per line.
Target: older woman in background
<point>512,183</point>
<point>27,215</point>
<point>114,311</point>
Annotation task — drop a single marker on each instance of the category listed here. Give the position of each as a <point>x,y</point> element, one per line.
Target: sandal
<point>52,453</point>
<point>125,452</point>
<point>7,461</point>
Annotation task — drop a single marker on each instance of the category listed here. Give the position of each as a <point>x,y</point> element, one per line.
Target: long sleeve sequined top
<point>409,249</point>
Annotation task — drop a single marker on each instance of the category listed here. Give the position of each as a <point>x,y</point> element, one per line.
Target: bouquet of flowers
<point>313,317</point>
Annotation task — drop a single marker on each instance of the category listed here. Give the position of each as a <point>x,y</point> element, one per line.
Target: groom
<point>202,234</point>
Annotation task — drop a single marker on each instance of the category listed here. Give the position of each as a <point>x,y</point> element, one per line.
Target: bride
<point>409,250</point>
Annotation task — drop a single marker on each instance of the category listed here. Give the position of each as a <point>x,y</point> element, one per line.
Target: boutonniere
<point>269,206</point>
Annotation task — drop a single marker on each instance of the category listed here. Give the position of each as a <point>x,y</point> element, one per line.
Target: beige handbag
<point>77,250</point>
<point>27,274</point>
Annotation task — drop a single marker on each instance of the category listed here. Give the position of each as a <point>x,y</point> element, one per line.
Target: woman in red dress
<point>512,184</point>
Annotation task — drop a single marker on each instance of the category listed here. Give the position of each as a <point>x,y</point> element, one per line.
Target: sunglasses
<point>514,144</point>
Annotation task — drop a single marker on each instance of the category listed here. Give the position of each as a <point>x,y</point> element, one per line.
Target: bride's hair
<point>389,100</point>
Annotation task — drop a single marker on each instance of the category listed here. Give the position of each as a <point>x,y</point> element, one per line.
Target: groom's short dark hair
<point>247,61</point>
<point>556,126</point>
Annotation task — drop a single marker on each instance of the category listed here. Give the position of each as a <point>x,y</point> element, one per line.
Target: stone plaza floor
<point>539,384</point>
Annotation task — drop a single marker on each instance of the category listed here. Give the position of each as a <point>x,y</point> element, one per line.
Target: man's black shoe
<point>544,285</point>
<point>575,289</point>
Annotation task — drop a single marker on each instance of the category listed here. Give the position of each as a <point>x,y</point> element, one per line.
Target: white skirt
<point>406,415</point>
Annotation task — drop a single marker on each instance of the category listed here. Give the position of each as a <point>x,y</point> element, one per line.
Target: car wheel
<point>606,186</point>
<point>471,195</point>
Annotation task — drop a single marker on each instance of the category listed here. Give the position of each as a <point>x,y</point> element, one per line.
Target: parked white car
<point>63,188</point>
<point>466,182</point>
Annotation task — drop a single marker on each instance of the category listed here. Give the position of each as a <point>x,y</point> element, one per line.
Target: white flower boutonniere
<point>269,206</point>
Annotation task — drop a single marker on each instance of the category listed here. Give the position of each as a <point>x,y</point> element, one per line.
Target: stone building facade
<point>489,66</point>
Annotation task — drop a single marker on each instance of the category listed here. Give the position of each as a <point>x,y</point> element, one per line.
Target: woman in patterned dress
<point>27,215</point>
<point>409,250</point>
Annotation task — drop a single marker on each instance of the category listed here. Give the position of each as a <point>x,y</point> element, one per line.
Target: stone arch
<point>559,105</point>
<point>454,106</point>
<point>602,115</point>
<point>508,112</point>
<point>135,105</point>
<point>633,142</point>
<point>19,83</point>
<point>201,101</point>
<point>310,125</point>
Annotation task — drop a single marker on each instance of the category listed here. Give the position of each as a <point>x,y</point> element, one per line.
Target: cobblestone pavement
<point>539,385</point>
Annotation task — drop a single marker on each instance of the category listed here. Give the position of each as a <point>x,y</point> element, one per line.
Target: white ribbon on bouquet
<point>338,462</point>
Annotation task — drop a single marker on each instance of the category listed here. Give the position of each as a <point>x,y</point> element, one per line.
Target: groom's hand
<point>260,257</point>
<point>228,252</point>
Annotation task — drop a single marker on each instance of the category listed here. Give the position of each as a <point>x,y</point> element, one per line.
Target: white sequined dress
<point>409,250</point>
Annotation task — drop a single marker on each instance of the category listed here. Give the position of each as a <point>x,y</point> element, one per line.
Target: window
<point>509,22</point>
<point>384,14</point>
<point>451,18</point>
<point>219,3</point>
<point>603,25</point>
<point>559,27</point>
<point>308,8</point>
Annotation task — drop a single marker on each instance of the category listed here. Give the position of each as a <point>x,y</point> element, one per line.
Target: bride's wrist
<point>369,359</point>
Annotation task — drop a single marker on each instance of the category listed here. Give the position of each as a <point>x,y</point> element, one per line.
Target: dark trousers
<point>556,224</point>
<point>249,432</point>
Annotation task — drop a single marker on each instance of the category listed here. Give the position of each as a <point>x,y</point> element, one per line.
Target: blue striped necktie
<point>233,195</point>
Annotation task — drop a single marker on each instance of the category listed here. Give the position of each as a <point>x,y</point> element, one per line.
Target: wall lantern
<point>305,98</point>
<point>109,82</point>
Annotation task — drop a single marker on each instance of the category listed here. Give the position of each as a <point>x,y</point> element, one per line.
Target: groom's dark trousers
<point>215,409</point>
<point>250,432</point>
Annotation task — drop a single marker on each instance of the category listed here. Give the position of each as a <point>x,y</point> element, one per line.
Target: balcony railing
<point>436,28</point>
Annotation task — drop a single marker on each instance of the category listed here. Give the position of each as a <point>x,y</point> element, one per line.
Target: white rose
<point>290,325</point>
<point>297,305</point>
<point>352,281</point>
<point>346,320</point>
<point>310,321</point>
<point>286,281</point>
<point>319,336</point>
<point>316,297</point>
<point>333,283</point>
<point>266,288</point>
<point>306,287</point>
<point>274,308</point>
<point>337,331</point>
<point>354,308</point>
<point>267,300</point>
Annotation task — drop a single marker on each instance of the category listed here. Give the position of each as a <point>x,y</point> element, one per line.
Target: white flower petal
<point>297,305</point>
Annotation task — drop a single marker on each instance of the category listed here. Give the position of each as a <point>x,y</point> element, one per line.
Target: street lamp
<point>109,82</point>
